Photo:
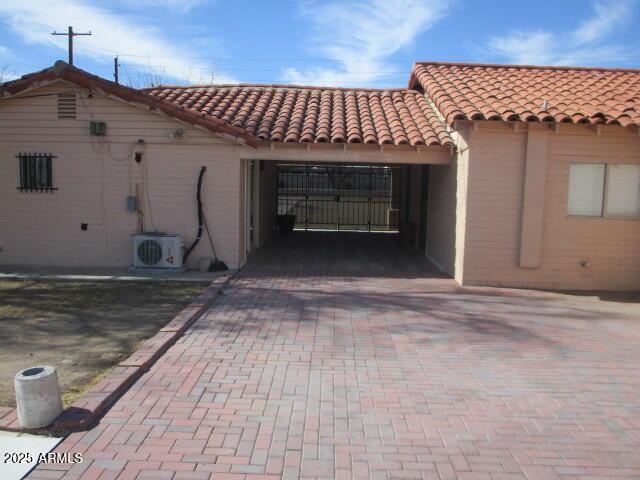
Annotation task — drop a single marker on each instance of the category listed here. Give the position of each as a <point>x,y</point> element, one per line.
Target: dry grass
<point>83,328</point>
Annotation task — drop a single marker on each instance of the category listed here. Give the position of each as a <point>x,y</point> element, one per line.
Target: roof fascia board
<point>356,153</point>
<point>517,126</point>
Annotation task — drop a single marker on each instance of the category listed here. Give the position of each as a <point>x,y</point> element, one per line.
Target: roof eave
<point>64,71</point>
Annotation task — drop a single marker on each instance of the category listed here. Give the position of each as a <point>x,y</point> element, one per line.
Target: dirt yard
<point>83,328</point>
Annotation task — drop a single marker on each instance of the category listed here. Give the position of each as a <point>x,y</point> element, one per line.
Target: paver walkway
<point>342,357</point>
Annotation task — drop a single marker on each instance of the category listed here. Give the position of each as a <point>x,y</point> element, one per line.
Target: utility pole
<point>115,68</point>
<point>71,34</point>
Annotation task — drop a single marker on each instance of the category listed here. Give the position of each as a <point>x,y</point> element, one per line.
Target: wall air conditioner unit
<point>158,251</point>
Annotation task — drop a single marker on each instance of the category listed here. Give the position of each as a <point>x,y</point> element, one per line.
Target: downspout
<point>200,216</point>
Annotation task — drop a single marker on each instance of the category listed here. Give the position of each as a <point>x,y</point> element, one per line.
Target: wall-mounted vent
<point>66,105</point>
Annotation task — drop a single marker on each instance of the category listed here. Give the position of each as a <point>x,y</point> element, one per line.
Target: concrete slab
<point>26,449</point>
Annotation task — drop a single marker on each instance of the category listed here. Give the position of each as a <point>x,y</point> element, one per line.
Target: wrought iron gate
<point>337,197</point>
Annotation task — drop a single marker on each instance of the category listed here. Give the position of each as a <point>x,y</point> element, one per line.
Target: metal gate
<point>336,197</point>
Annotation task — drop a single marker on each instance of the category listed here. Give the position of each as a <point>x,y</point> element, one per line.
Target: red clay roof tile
<point>528,93</point>
<point>279,113</point>
<point>439,93</point>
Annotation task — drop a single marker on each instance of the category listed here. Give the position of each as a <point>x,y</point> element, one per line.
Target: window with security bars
<point>36,172</point>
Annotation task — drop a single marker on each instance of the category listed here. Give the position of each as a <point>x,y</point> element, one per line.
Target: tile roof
<point>438,94</point>
<point>529,93</point>
<point>296,114</point>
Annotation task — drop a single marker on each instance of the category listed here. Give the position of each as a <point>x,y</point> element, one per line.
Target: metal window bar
<point>369,202</point>
<point>36,172</point>
<point>339,197</point>
<point>306,198</point>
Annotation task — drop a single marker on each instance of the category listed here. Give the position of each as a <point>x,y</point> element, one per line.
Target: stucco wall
<point>446,215</point>
<point>94,176</point>
<point>441,217</point>
<point>268,200</point>
<point>608,248</point>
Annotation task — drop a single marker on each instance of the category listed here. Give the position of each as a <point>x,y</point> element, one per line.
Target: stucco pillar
<point>533,198</point>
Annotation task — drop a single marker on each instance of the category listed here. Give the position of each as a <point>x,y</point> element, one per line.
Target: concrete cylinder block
<point>37,396</point>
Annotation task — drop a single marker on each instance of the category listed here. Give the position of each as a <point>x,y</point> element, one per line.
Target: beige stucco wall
<point>267,199</point>
<point>94,177</point>
<point>441,217</point>
<point>446,215</point>
<point>608,248</point>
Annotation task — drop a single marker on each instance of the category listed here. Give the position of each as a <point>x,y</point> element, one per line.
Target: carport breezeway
<point>343,253</point>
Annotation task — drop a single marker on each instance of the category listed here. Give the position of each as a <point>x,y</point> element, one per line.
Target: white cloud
<point>586,44</point>
<point>608,16</point>
<point>360,35</point>
<point>174,6</point>
<point>525,47</point>
<point>8,68</point>
<point>34,20</point>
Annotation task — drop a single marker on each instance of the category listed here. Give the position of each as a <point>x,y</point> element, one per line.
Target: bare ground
<point>83,328</point>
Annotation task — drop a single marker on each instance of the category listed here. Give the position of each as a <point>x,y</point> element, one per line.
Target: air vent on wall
<point>66,105</point>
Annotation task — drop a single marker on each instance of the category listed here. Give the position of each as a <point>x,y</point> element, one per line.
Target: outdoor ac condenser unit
<point>157,251</point>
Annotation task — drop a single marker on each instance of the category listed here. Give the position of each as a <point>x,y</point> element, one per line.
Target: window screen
<point>623,191</point>
<point>586,185</point>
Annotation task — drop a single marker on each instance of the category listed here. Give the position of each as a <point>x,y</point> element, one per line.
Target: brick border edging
<point>99,398</point>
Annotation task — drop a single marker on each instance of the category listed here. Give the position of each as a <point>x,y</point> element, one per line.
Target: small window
<point>36,172</point>
<point>623,191</point>
<point>604,190</point>
<point>586,189</point>
<point>66,105</point>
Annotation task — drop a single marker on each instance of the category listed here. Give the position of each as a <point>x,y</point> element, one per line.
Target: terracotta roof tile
<point>439,94</point>
<point>279,113</point>
<point>530,93</point>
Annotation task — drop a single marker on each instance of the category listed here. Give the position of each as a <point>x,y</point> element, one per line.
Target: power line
<point>324,60</point>
<point>232,69</point>
<point>233,59</point>
<point>137,74</point>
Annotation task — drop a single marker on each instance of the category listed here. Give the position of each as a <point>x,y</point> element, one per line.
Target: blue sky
<point>336,42</point>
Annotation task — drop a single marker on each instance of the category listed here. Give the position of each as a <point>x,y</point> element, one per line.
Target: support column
<point>533,198</point>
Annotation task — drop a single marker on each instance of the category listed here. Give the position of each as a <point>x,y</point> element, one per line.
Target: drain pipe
<point>200,217</point>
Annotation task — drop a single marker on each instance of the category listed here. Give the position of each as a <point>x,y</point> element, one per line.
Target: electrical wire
<point>166,66</point>
<point>145,189</point>
<point>140,228</point>
<point>317,60</point>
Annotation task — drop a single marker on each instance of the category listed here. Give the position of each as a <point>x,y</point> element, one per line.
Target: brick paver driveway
<point>348,359</point>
